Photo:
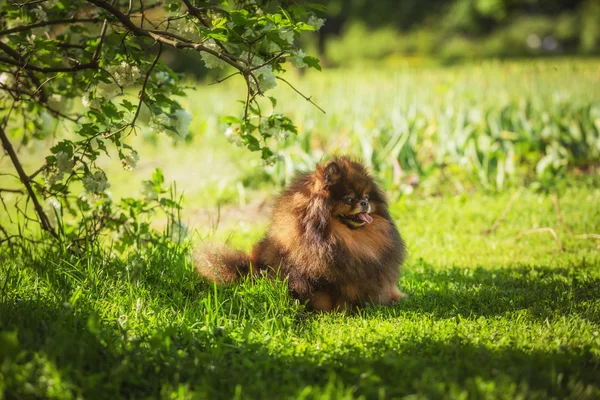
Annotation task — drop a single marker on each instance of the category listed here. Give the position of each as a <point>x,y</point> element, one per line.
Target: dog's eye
<point>348,200</point>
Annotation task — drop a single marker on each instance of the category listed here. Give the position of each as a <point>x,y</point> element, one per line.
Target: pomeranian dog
<point>331,237</point>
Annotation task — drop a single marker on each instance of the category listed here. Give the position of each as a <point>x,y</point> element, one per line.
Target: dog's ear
<point>332,173</point>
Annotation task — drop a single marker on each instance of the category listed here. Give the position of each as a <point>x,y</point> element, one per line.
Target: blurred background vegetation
<point>448,31</point>
<point>437,97</point>
<point>452,30</point>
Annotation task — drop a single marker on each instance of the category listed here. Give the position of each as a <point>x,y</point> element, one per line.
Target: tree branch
<point>44,222</point>
<point>300,93</point>
<point>142,94</point>
<point>65,21</point>
<point>12,190</point>
<point>15,54</point>
<point>29,67</point>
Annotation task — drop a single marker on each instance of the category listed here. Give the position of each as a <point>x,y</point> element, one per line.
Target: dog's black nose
<point>364,203</point>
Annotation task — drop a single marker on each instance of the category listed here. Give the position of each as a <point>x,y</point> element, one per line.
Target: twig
<point>30,67</point>
<point>17,57</point>
<point>561,222</point>
<point>559,214</point>
<point>11,190</point>
<point>142,94</point>
<point>300,93</point>
<point>44,222</point>
<point>588,236</point>
<point>96,55</point>
<point>540,230</point>
<point>32,176</point>
<point>224,79</point>
<point>24,28</point>
<point>269,61</point>
<point>503,216</point>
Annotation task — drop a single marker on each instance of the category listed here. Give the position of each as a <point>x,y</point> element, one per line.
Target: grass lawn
<point>485,316</point>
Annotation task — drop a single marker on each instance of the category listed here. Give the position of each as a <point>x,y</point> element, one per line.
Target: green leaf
<point>173,7</point>
<point>218,36</point>
<point>128,105</point>
<point>251,142</point>
<point>286,14</point>
<point>266,153</point>
<point>304,27</point>
<point>219,22</point>
<point>65,146</point>
<point>312,62</point>
<point>169,203</point>
<point>110,110</point>
<point>157,177</point>
<point>230,119</point>
<point>239,17</point>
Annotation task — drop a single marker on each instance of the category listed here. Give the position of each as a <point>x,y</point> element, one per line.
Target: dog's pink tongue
<point>365,217</point>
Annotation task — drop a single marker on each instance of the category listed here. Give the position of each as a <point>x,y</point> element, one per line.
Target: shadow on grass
<point>101,360</point>
<point>545,292</point>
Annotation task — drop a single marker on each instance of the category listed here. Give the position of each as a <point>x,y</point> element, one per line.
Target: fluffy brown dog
<point>331,237</point>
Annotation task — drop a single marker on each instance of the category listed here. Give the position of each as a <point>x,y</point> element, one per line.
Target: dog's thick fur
<point>331,237</point>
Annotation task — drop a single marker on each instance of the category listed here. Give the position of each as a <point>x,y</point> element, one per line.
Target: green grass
<point>485,317</point>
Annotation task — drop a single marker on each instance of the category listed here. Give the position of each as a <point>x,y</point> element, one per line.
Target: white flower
<point>160,123</point>
<point>90,102</point>
<point>130,160</point>
<point>124,74</point>
<point>95,183</point>
<point>162,119</point>
<point>181,121</point>
<point>316,22</point>
<point>163,77</point>
<point>274,129</point>
<point>297,59</point>
<point>40,14</point>
<point>148,191</point>
<point>233,135</point>
<point>64,163</point>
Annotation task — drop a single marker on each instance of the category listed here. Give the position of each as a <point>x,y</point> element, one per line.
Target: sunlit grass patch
<point>485,315</point>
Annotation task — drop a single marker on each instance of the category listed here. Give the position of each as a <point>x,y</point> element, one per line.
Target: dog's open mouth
<point>358,219</point>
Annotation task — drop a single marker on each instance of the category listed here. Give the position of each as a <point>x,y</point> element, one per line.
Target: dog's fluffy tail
<point>220,264</point>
